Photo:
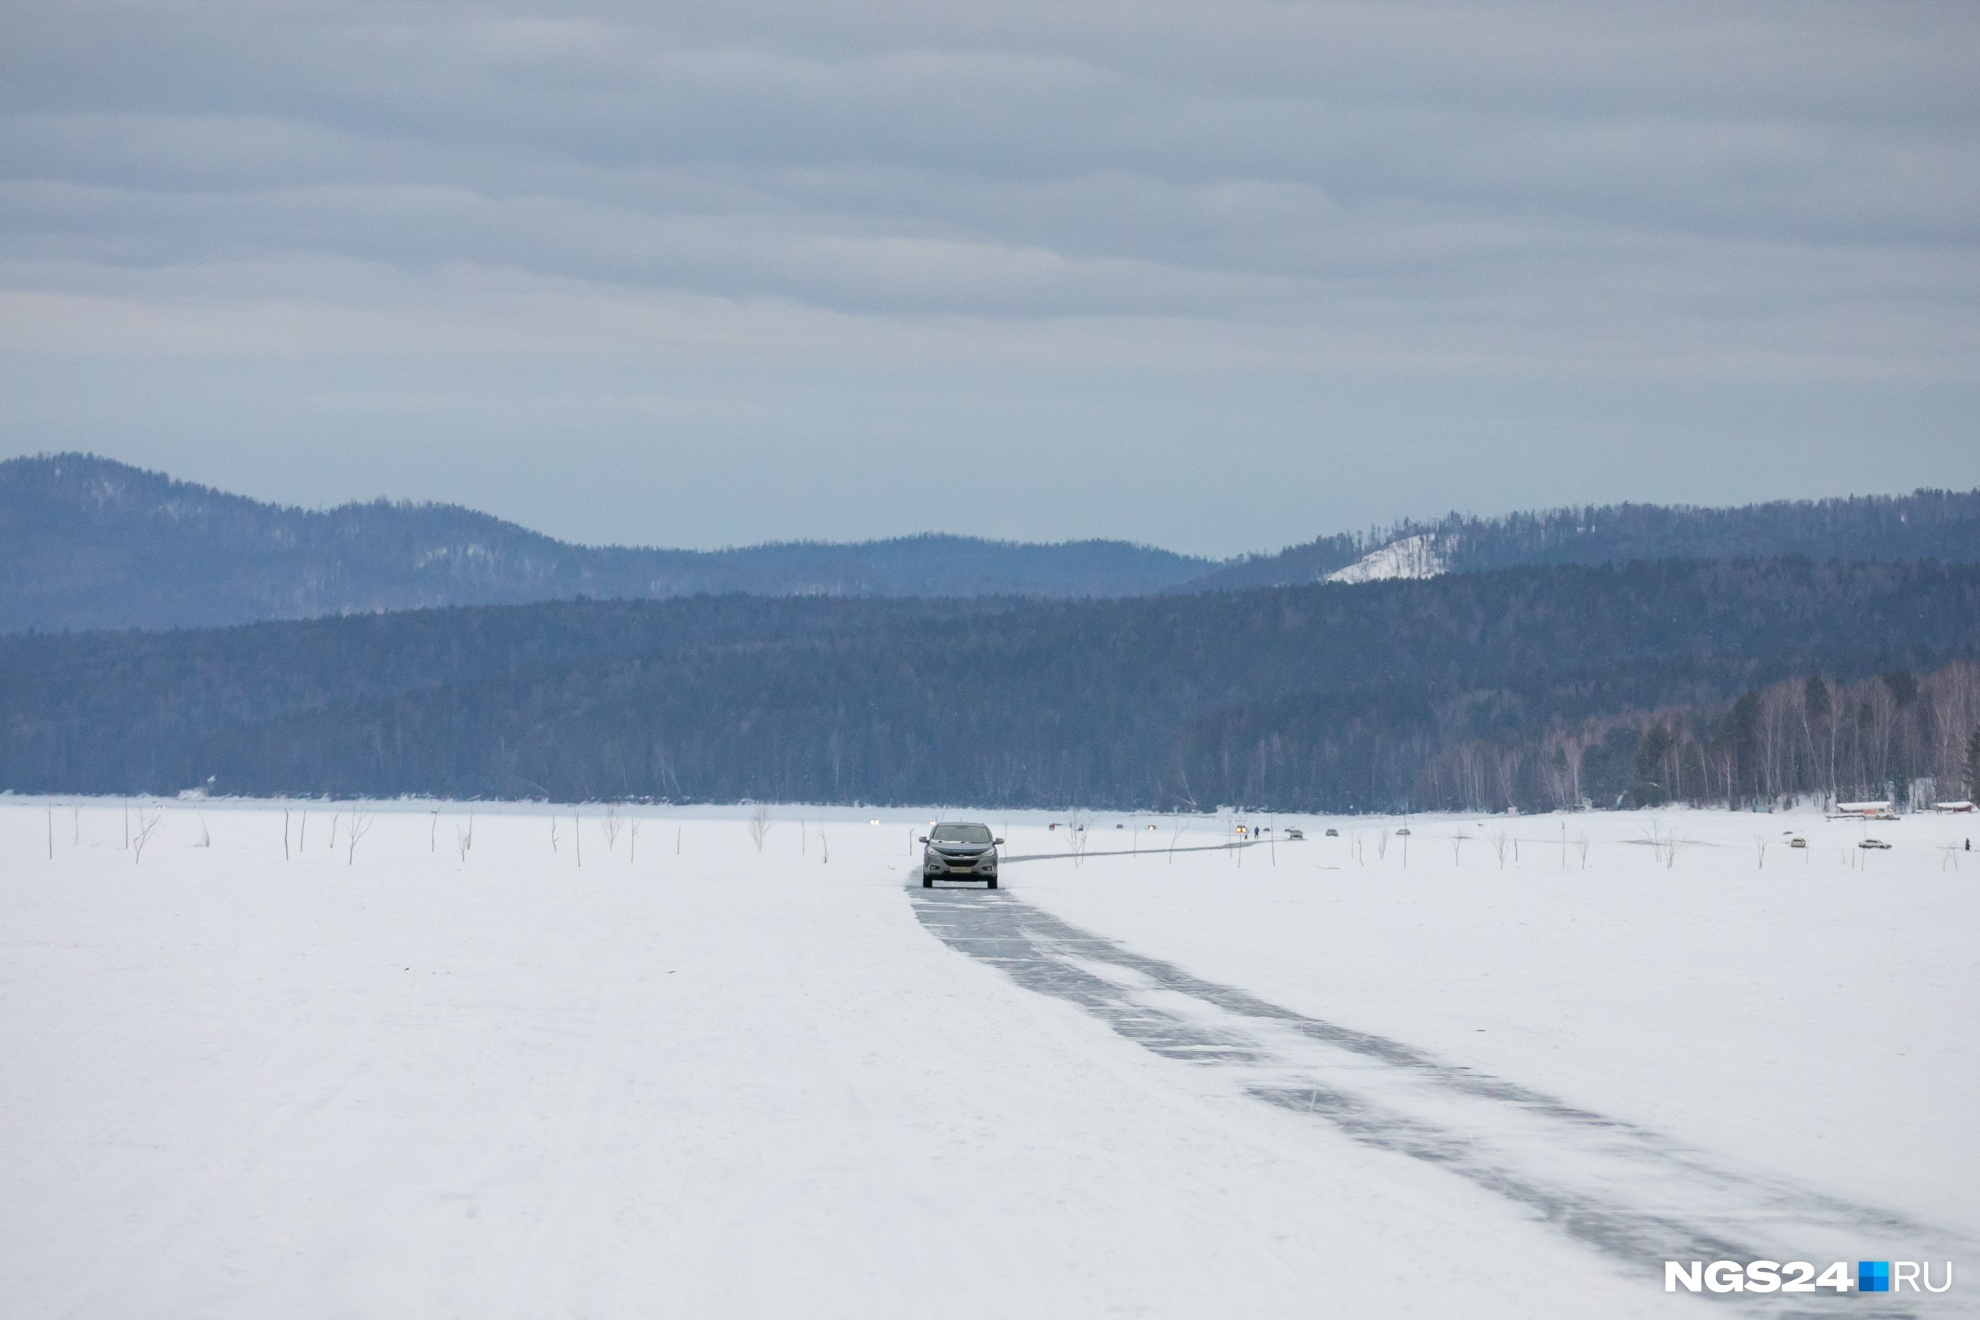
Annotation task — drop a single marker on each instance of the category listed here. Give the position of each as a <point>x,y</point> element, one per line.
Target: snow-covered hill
<point>1413,557</point>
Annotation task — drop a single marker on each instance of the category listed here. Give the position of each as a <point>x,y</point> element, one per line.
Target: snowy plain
<point>1457,1072</point>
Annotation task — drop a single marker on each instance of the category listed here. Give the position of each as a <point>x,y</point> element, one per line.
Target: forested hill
<point>1438,692</point>
<point>89,543</point>
<point>1926,524</point>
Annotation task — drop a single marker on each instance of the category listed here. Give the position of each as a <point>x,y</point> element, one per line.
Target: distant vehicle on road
<point>1874,843</point>
<point>959,850</point>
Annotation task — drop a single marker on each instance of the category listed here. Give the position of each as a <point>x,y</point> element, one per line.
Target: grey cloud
<point>1671,191</point>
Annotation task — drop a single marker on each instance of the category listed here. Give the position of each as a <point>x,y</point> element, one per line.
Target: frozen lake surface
<point>1506,1074</point>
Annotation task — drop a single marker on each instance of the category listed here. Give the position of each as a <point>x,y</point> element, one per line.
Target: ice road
<point>407,1059</point>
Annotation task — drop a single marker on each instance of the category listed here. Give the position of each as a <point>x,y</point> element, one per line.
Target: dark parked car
<point>959,850</point>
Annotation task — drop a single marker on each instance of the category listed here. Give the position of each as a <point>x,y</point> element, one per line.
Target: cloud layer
<point>367,246</point>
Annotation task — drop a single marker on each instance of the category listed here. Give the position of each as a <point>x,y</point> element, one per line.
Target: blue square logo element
<point>1873,1276</point>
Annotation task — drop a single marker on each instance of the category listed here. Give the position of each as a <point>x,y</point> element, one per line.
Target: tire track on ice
<point>1627,1191</point>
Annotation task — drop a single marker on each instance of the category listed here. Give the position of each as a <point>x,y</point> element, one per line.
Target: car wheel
<point>993,882</point>
<point>927,882</point>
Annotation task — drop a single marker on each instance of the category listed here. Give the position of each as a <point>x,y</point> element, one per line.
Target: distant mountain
<point>90,543</point>
<point>1928,524</point>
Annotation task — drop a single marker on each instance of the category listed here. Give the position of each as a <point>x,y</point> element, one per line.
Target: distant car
<point>1333,834</point>
<point>1874,843</point>
<point>1797,842</point>
<point>1295,834</point>
<point>959,850</point>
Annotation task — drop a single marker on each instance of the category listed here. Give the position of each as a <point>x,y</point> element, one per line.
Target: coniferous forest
<point>1534,687</point>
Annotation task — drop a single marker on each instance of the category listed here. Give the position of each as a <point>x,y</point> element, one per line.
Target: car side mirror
<point>924,838</point>
<point>996,843</point>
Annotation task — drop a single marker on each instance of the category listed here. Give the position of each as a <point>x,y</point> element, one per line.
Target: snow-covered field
<point>692,1077</point>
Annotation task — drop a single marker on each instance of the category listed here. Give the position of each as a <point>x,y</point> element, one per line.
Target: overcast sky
<point>1216,276</point>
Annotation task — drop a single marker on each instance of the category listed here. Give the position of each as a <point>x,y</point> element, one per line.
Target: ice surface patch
<point>1412,557</point>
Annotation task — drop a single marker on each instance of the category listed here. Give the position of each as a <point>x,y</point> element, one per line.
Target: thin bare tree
<point>147,822</point>
<point>359,827</point>
<point>759,825</point>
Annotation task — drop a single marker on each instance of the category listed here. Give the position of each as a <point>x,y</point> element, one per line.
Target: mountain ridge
<point>82,538</point>
<point>92,543</point>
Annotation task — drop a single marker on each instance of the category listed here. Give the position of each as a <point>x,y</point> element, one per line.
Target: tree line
<point>1528,686</point>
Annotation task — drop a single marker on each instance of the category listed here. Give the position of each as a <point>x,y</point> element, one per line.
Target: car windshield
<point>959,834</point>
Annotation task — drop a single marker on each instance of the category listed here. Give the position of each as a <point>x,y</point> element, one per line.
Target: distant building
<point>1863,811</point>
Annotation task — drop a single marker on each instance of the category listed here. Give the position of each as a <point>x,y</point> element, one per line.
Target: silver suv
<point>959,850</point>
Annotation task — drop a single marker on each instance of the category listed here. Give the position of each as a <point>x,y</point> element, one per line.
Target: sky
<point>1220,277</point>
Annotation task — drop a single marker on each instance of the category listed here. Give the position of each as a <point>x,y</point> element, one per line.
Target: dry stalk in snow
<point>359,827</point>
<point>147,822</point>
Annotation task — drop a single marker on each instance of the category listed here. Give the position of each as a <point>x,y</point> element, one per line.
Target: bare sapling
<point>205,837</point>
<point>146,823</point>
<point>824,849</point>
<point>433,832</point>
<point>75,823</point>
<point>610,827</point>
<point>759,825</point>
<point>1499,846</point>
<point>285,834</point>
<point>302,831</point>
<point>1457,847</point>
<point>464,838</point>
<point>632,841</point>
<point>1760,847</point>
<point>677,839</point>
<point>359,827</point>
<point>553,831</point>
<point>1172,842</point>
<point>1382,846</point>
<point>336,819</point>
<point>1664,846</point>
<point>1581,843</point>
